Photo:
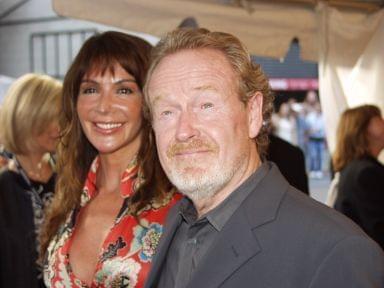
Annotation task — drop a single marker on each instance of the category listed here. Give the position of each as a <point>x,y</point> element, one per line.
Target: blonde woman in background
<point>360,190</point>
<point>29,131</point>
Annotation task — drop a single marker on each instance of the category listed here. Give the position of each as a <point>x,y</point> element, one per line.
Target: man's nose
<point>187,127</point>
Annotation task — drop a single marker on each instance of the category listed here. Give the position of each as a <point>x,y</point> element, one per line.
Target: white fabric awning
<point>267,31</point>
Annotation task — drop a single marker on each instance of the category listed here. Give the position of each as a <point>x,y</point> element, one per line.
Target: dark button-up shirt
<point>194,236</point>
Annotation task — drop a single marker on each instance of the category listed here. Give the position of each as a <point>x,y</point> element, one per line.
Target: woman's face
<point>375,131</point>
<point>47,140</point>
<point>109,109</point>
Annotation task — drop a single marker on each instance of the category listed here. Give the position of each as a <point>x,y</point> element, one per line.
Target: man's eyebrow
<point>160,97</point>
<point>156,99</point>
<point>205,87</point>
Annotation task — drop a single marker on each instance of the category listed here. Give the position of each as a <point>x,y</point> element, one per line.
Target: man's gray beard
<point>206,184</point>
<point>200,187</point>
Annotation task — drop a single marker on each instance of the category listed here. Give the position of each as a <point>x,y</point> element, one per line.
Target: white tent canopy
<point>348,44</point>
<point>158,17</point>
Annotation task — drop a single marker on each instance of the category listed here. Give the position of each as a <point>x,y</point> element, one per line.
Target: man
<point>241,224</point>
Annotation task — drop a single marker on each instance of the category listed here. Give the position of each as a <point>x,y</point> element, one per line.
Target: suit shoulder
<point>308,225</point>
<point>317,219</point>
<point>356,260</point>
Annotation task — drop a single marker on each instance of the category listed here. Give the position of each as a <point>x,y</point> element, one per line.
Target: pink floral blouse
<point>128,249</point>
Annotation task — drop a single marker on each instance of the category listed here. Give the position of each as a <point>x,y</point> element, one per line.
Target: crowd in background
<point>302,124</point>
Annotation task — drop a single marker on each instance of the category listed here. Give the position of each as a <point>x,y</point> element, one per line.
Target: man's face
<point>202,128</point>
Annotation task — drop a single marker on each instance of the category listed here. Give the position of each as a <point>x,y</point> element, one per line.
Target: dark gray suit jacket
<point>280,238</point>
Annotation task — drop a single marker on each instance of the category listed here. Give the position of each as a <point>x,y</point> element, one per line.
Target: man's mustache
<point>193,145</point>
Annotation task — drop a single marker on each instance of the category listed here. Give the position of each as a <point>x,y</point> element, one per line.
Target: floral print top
<point>128,249</point>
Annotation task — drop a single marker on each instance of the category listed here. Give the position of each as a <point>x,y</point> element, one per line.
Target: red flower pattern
<point>127,251</point>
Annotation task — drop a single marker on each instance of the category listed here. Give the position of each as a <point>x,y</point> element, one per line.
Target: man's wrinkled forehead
<point>186,65</point>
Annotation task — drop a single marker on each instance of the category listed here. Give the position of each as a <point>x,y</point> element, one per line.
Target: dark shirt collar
<point>188,211</point>
<point>219,216</point>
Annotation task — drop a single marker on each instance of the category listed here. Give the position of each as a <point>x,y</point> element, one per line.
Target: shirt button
<point>192,241</point>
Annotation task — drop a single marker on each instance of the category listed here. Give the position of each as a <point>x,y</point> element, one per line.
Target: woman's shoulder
<point>8,177</point>
<point>364,163</point>
<point>12,191</point>
<point>364,172</point>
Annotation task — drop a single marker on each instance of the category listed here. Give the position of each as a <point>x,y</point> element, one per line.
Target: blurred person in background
<point>284,124</point>
<point>360,191</point>
<point>112,196</point>
<point>299,112</point>
<point>310,101</point>
<point>316,141</point>
<point>29,131</point>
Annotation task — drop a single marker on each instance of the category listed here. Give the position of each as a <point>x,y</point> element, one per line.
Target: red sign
<point>297,84</point>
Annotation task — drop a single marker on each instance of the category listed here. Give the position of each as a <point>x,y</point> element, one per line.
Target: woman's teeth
<point>108,125</point>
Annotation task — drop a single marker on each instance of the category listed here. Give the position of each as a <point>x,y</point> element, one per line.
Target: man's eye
<point>166,113</point>
<point>88,90</point>
<point>125,91</point>
<point>206,105</point>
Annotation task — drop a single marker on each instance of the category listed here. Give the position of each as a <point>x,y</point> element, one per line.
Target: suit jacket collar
<point>263,203</point>
<point>237,242</point>
<point>234,246</point>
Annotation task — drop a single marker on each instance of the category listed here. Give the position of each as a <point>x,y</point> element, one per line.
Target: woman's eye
<point>88,90</point>
<point>206,105</point>
<point>125,91</point>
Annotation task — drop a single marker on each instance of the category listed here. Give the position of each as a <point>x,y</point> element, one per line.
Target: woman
<point>29,121</point>
<point>360,194</point>
<point>112,196</point>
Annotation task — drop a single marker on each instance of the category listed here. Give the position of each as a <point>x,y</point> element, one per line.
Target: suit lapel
<point>227,253</point>
<point>173,221</point>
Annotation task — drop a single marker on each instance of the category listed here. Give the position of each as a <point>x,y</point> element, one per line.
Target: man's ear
<point>255,114</point>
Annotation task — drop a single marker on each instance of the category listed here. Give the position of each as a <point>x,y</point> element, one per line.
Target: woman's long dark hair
<point>76,153</point>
